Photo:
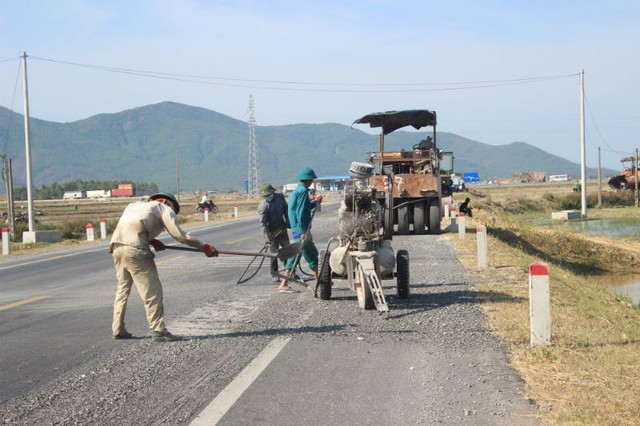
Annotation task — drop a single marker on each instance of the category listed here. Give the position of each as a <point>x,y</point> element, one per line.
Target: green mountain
<point>203,149</point>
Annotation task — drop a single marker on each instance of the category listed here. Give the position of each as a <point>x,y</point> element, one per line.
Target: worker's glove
<point>210,251</point>
<point>157,244</point>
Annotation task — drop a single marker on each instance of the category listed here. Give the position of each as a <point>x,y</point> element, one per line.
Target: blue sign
<point>471,177</point>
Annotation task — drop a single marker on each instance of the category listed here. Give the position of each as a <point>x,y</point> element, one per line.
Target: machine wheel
<point>434,216</point>
<point>419,213</point>
<point>403,220</point>
<point>402,273</point>
<point>363,292</point>
<point>323,291</point>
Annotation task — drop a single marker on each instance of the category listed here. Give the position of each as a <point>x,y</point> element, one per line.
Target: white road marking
<point>49,259</point>
<point>212,414</point>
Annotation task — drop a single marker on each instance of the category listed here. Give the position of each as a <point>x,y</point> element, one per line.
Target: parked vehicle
<point>628,178</point>
<point>409,184</point>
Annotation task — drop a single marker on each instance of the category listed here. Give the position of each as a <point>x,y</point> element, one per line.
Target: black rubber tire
<point>434,216</point>
<point>323,291</point>
<point>419,213</point>
<point>402,273</point>
<point>387,223</point>
<point>215,209</point>
<point>403,219</point>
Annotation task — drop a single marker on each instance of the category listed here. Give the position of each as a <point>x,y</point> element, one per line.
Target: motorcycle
<point>200,207</point>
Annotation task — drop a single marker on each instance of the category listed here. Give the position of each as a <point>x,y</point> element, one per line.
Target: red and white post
<point>6,242</point>
<point>481,236</point>
<point>90,236</point>
<point>447,212</point>
<point>461,226</point>
<point>539,304</point>
<point>103,229</point>
<point>235,211</point>
<point>206,215</point>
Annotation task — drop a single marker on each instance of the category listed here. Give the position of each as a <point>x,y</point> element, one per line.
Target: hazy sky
<point>494,71</point>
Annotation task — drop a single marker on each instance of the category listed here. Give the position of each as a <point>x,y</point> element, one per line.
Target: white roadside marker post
<point>447,213</point>
<point>235,211</point>
<point>90,236</point>
<point>481,235</point>
<point>206,215</point>
<point>539,304</point>
<point>461,226</point>
<point>5,241</point>
<point>103,229</point>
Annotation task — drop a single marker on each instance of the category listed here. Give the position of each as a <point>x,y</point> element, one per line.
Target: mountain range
<point>173,144</point>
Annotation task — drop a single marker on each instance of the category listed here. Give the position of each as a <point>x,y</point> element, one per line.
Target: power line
<point>595,125</point>
<point>285,85</point>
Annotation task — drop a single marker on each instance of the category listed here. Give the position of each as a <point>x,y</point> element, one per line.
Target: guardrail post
<point>539,304</point>
<point>481,236</point>
<point>90,236</point>
<point>103,229</point>
<point>461,226</point>
<point>5,241</point>
<point>206,215</point>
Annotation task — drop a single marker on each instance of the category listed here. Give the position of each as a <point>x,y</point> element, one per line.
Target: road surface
<point>249,354</point>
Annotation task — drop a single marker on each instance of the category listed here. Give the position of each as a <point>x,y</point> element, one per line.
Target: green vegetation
<point>590,373</point>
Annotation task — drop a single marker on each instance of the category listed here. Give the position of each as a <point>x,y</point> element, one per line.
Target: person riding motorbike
<point>206,203</point>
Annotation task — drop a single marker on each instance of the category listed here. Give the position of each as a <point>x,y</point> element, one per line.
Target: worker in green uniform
<point>301,203</point>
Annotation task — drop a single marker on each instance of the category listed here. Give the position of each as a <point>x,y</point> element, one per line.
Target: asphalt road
<point>249,354</point>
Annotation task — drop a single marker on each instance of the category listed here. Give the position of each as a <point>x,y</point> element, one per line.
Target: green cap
<point>266,190</point>
<point>307,174</point>
<point>166,197</point>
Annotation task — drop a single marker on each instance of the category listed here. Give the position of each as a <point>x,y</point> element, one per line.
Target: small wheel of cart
<point>363,292</point>
<point>323,289</point>
<point>402,273</point>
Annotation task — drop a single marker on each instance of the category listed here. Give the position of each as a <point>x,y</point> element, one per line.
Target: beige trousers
<point>134,265</point>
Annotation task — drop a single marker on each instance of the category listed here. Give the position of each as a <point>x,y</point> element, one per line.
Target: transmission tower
<point>254,168</point>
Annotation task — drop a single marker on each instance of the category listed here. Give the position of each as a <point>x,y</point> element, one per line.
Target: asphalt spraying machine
<point>363,256</point>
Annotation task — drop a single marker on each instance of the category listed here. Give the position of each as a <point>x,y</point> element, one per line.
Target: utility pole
<point>599,182</point>
<point>8,179</point>
<point>583,159</point>
<point>177,174</point>
<point>635,175</point>
<point>254,169</point>
<point>32,220</point>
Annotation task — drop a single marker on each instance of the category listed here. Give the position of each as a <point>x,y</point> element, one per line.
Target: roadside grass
<point>590,373</point>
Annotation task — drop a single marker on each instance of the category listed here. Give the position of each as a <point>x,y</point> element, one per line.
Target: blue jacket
<point>300,209</point>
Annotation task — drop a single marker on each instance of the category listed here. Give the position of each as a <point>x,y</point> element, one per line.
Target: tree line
<point>56,190</point>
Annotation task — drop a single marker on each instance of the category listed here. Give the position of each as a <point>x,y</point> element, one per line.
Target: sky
<point>495,71</point>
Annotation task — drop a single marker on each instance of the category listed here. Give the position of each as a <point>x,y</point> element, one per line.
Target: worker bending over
<point>140,224</point>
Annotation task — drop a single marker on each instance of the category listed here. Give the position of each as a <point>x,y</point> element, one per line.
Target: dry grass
<point>590,373</point>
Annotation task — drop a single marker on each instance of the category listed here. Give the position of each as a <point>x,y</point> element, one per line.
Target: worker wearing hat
<point>300,207</point>
<point>140,224</point>
<point>275,221</point>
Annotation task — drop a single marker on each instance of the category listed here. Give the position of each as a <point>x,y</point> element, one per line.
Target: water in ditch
<point>623,284</point>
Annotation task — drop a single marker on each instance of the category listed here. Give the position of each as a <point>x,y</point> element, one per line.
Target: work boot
<point>163,336</point>
<point>123,335</point>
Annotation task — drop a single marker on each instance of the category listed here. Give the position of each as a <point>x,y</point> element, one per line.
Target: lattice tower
<point>254,168</point>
